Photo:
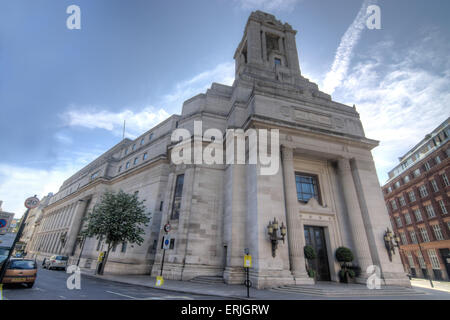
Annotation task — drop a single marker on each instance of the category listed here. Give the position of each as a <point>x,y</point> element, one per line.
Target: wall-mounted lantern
<point>272,230</point>
<point>390,242</point>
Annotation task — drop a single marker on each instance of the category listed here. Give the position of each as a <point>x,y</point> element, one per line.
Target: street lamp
<point>272,230</point>
<point>81,240</point>
<point>390,242</point>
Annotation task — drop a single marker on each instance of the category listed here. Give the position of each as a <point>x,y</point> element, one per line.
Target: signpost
<point>30,203</point>
<point>166,246</point>
<point>247,266</point>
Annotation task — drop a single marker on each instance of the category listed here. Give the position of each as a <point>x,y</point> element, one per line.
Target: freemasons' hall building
<point>326,191</point>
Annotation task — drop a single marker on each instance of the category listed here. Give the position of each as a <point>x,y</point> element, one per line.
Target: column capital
<point>344,164</point>
<point>287,153</point>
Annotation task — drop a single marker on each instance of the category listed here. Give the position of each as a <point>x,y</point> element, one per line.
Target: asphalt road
<point>51,285</point>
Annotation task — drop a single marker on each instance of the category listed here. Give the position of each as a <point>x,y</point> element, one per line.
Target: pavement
<point>240,292</point>
<point>52,285</point>
<point>437,285</point>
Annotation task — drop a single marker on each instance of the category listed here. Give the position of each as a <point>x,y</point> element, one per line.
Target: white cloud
<point>136,122</point>
<point>222,73</point>
<point>269,5</point>
<point>344,52</point>
<point>139,122</point>
<point>20,182</point>
<point>400,101</point>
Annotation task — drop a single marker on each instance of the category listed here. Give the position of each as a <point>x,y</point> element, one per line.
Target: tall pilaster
<point>74,229</point>
<point>296,240</point>
<point>357,227</point>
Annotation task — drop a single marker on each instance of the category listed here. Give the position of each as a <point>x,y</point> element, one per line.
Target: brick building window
<point>434,259</point>
<point>423,191</point>
<point>448,225</point>
<point>408,218</point>
<point>445,179</point>
<point>403,237</point>
<point>410,260</point>
<point>437,159</point>
<point>397,185</point>
<point>406,179</point>
<point>416,173</point>
<point>177,197</point>
<point>398,220</point>
<point>402,201</point>
<point>424,234</point>
<point>427,166</point>
<point>307,187</point>
<point>438,232</point>
<point>430,211</point>
<point>421,260</point>
<point>411,196</point>
<point>434,185</point>
<point>418,215</point>
<point>393,205</point>
<point>443,208</point>
<point>413,236</point>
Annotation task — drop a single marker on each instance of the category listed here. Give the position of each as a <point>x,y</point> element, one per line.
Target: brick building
<point>416,196</point>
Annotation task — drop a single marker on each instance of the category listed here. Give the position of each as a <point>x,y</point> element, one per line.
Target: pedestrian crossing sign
<point>159,281</point>
<point>247,261</point>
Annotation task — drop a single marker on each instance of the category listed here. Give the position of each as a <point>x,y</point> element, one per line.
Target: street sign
<point>166,242</point>
<point>247,261</point>
<point>31,202</point>
<point>100,256</point>
<point>167,227</point>
<point>5,221</point>
<point>159,281</point>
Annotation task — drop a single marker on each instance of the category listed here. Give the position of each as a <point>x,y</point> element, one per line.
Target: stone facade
<point>223,209</point>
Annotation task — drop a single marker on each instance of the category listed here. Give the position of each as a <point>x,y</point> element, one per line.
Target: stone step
<point>347,292</point>
<point>207,279</point>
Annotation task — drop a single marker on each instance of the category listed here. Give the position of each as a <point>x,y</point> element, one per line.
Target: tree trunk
<point>105,259</point>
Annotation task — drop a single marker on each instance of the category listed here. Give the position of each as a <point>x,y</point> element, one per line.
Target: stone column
<point>295,237</point>
<point>357,228</point>
<point>74,229</point>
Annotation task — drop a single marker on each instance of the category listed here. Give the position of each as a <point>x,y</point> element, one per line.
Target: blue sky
<point>65,93</point>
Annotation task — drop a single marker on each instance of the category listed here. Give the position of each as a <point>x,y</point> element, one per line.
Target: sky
<point>64,94</point>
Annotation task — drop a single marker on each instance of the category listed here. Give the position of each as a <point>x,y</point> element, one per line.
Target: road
<point>51,285</point>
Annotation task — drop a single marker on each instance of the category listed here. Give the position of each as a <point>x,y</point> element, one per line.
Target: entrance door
<point>315,237</point>
<point>445,255</point>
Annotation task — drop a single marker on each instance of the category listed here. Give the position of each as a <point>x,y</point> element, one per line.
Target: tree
<point>119,217</point>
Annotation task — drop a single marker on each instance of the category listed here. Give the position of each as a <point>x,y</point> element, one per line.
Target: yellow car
<point>21,271</point>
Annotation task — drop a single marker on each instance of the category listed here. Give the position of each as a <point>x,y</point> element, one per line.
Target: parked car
<point>21,271</point>
<point>56,262</point>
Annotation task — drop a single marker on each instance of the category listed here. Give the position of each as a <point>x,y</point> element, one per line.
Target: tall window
<point>418,215</point>
<point>412,196</point>
<point>423,191</point>
<point>408,218</point>
<point>177,197</point>
<point>398,221</point>
<point>406,179</point>
<point>307,187</point>
<point>445,179</point>
<point>443,208</point>
<point>410,260</point>
<point>430,211</point>
<point>124,247</point>
<point>413,236</point>
<point>403,237</point>
<point>416,173</point>
<point>402,201</point>
<point>437,232</point>
<point>434,185</point>
<point>393,205</point>
<point>424,234</point>
<point>421,260</point>
<point>434,259</point>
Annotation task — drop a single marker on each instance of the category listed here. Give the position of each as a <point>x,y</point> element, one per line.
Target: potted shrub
<point>310,254</point>
<point>345,256</point>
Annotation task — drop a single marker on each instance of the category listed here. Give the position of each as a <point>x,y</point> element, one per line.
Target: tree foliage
<point>119,217</point>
